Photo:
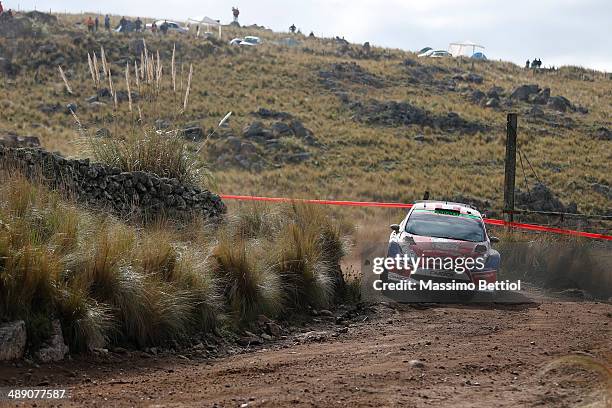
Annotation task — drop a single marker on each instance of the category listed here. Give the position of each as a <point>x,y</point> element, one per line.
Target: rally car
<point>438,233</point>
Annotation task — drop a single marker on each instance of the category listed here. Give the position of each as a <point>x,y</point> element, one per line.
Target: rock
<point>560,104</point>
<point>280,129</point>
<point>542,97</point>
<point>194,133</point>
<point>492,103</point>
<point>523,92</point>
<point>302,132</point>
<point>55,348</point>
<point>266,337</point>
<point>123,192</point>
<point>12,340</point>
<point>603,133</point>
<point>104,93</point>
<point>495,92</point>
<point>271,114</point>
<point>249,340</point>
<point>13,140</point>
<point>416,364</point>
<point>477,95</point>
<point>162,124</point>
<point>71,108</point>
<point>273,329</point>
<point>256,130</point>
<point>540,198</point>
<point>392,113</point>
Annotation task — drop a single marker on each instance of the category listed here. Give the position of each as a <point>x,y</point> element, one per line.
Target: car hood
<point>443,247</point>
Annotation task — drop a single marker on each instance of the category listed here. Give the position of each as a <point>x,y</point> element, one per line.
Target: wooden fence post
<point>510,171</point>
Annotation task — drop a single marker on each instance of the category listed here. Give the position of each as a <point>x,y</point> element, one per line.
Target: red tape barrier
<point>518,225</point>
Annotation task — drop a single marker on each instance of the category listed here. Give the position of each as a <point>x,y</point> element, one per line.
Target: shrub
<point>249,287</point>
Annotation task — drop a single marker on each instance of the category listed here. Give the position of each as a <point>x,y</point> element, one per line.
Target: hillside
<point>325,119</point>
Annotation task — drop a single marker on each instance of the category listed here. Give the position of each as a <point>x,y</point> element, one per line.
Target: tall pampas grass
<point>173,68</point>
<point>186,100</point>
<point>68,88</point>
<point>127,85</point>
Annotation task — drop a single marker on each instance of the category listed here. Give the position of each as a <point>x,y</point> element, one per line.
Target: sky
<point>559,32</point>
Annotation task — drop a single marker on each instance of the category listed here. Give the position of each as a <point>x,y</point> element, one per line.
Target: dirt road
<point>472,356</point>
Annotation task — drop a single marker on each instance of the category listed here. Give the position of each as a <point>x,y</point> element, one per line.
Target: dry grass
<point>114,283</point>
<point>359,161</point>
<point>557,263</point>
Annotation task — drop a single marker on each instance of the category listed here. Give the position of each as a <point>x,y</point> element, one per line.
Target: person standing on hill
<point>292,28</point>
<point>97,23</point>
<point>1,8</point>
<point>107,23</point>
<point>90,24</point>
<point>164,27</point>
<point>138,24</point>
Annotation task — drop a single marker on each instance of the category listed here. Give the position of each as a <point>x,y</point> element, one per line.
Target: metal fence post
<point>510,171</point>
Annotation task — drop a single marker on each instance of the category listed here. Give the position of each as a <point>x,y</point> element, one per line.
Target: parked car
<point>172,26</point>
<point>436,54</point>
<point>440,229</point>
<point>251,40</point>
<point>247,41</point>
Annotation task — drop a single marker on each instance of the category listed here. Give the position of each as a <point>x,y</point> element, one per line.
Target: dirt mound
<point>392,113</point>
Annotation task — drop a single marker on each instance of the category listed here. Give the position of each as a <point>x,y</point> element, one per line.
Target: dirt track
<point>476,356</point>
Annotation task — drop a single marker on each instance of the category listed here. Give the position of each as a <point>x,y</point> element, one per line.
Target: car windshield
<point>459,227</point>
<point>251,40</point>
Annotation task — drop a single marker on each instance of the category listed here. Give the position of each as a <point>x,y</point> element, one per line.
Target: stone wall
<point>123,192</point>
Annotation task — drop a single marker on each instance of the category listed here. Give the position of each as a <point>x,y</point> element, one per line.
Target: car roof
<point>446,205</point>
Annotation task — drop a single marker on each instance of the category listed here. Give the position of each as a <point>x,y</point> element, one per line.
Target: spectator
<point>154,27</point>
<point>292,28</point>
<point>1,8</point>
<point>97,23</point>
<point>107,23</point>
<point>527,64</point>
<point>90,24</point>
<point>311,35</point>
<point>138,24</point>
<point>164,27</point>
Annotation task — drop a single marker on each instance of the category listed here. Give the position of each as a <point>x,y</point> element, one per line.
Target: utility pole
<point>510,171</point>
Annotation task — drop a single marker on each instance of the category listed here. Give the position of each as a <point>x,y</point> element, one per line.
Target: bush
<point>114,283</point>
<point>249,287</point>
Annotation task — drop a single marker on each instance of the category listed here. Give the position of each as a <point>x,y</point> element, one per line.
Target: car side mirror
<point>494,240</point>
<point>394,227</point>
